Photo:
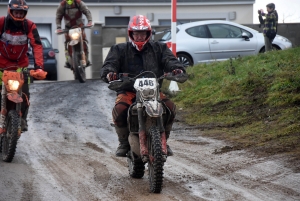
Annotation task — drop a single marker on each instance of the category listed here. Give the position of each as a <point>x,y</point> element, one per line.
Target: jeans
<point>268,44</point>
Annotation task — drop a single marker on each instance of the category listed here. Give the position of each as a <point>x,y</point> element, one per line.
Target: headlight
<point>75,33</point>
<point>148,93</point>
<point>75,36</point>
<point>283,39</point>
<point>13,85</point>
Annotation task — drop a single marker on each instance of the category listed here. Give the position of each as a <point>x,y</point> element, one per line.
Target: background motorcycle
<point>11,115</point>
<point>147,118</point>
<point>77,49</point>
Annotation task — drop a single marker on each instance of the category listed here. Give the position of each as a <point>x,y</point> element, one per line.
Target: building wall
<point>288,30</point>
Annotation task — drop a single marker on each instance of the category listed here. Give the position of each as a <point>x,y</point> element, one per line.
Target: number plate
<point>145,83</point>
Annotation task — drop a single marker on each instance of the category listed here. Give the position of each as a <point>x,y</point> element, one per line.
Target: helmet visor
<point>17,6</point>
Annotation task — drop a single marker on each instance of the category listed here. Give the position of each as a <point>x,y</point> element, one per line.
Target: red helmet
<point>139,23</point>
<point>17,5</point>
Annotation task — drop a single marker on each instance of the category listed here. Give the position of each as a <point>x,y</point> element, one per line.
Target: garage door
<point>45,30</point>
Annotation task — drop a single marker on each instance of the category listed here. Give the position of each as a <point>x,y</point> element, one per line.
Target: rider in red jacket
<point>15,33</point>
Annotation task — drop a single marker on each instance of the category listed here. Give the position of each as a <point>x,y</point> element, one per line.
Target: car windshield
<point>167,35</point>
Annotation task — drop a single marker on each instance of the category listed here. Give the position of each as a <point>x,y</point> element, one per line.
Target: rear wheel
<point>79,71</point>
<point>155,164</point>
<point>185,59</point>
<point>136,166</point>
<point>10,137</point>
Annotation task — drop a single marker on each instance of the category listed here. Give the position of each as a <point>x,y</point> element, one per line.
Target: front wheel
<point>10,137</point>
<point>79,71</point>
<point>156,163</point>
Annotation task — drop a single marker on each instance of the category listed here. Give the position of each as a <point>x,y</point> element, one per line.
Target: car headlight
<point>283,39</point>
<point>13,85</point>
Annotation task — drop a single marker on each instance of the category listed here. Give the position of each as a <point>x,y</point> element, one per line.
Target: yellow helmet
<point>70,2</point>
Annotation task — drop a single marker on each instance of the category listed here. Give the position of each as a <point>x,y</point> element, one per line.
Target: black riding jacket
<point>155,57</point>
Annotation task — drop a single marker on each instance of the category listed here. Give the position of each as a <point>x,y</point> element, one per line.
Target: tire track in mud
<point>225,171</point>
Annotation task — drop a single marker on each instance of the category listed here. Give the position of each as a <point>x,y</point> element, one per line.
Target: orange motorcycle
<point>11,115</point>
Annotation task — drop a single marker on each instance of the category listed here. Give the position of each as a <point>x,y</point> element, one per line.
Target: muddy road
<point>68,154</point>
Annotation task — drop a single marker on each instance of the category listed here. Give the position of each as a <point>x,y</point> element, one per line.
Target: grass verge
<point>252,101</point>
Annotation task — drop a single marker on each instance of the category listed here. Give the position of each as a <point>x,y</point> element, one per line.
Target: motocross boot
<point>123,147</point>
<point>169,150</point>
<point>67,65</point>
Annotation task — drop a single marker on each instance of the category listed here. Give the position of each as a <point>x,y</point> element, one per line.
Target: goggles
<point>19,6</point>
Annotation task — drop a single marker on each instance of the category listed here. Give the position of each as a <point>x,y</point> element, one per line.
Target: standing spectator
<point>270,22</point>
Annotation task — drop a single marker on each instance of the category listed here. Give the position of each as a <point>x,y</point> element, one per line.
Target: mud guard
<point>153,108</point>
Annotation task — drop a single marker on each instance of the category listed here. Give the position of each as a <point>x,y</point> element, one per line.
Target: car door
<point>195,42</point>
<point>227,42</point>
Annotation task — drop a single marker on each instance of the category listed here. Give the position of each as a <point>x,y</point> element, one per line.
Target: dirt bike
<point>147,118</point>
<point>11,115</point>
<point>77,49</point>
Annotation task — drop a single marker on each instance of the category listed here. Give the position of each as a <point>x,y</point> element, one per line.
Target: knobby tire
<point>10,138</point>
<point>136,166</point>
<point>155,167</point>
<point>79,71</point>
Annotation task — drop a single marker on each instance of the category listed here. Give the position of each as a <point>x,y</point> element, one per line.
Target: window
<point>226,31</point>
<point>117,21</point>
<point>198,31</point>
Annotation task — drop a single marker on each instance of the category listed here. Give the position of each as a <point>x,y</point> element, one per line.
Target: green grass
<point>254,100</point>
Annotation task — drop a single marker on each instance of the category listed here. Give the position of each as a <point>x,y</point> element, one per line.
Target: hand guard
<point>177,71</point>
<point>90,24</point>
<point>38,74</point>
<point>111,76</point>
<point>57,31</point>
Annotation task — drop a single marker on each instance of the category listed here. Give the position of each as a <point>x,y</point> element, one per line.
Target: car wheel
<point>275,48</point>
<point>185,59</point>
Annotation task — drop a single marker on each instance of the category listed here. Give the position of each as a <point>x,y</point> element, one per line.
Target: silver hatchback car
<point>218,40</point>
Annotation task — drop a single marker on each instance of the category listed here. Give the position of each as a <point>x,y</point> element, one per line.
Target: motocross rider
<point>72,11</point>
<point>138,55</point>
<point>16,31</point>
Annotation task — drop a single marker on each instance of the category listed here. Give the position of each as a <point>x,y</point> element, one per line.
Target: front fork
<point>82,54</point>
<point>3,110</point>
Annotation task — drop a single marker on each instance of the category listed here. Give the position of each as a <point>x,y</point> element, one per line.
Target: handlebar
<point>67,30</point>
<point>124,81</point>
